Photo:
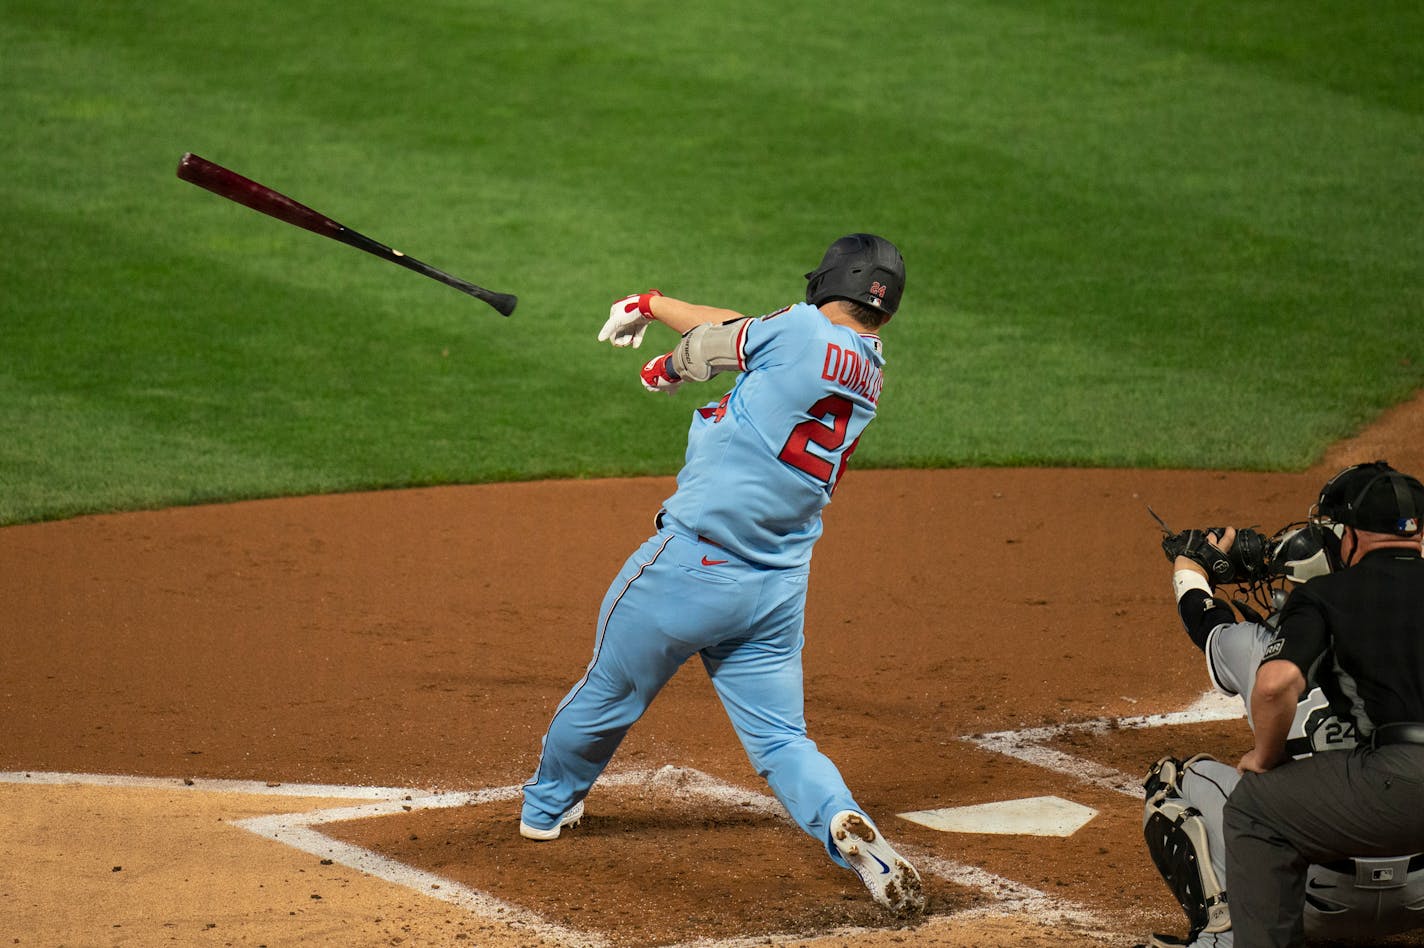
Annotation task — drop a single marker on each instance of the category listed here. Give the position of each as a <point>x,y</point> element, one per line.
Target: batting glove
<point>658,375</point>
<point>628,319</point>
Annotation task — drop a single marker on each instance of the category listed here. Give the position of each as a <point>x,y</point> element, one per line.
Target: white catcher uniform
<point>1349,899</point>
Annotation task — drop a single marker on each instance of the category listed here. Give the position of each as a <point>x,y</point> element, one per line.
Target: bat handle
<point>503,303</point>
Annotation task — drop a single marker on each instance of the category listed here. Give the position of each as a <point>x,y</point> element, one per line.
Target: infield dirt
<point>421,639</point>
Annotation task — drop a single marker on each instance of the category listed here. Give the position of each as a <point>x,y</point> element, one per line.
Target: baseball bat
<point>229,184</point>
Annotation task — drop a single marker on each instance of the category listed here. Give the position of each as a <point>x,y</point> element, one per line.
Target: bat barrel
<point>223,182</point>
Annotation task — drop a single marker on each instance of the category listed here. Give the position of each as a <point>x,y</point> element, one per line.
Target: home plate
<point>1034,816</point>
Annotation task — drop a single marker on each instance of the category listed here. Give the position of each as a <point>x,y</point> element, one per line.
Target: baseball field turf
<point>1181,235</point>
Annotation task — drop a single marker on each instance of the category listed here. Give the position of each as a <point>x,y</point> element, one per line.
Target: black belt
<point>1347,866</point>
<point>1408,732</point>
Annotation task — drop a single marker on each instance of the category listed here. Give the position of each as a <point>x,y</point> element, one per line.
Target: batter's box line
<point>299,831</point>
<point>1028,744</point>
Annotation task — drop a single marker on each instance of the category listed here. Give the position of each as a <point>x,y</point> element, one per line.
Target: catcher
<point>1184,799</point>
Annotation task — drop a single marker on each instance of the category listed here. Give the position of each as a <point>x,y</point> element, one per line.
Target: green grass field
<point>1186,235</point>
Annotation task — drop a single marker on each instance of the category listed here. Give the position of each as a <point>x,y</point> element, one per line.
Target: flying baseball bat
<point>233,186</point>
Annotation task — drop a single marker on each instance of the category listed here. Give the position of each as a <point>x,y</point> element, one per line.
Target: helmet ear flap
<point>1328,536</point>
<point>1298,552</point>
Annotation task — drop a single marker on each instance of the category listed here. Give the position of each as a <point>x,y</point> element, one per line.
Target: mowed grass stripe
<point>1108,216</point>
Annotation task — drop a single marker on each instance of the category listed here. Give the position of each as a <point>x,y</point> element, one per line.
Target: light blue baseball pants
<point>676,597</point>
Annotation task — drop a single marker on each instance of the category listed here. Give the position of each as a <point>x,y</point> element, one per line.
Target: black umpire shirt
<point>1366,624</point>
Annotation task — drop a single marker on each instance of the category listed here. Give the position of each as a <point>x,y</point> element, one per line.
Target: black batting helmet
<point>860,267</point>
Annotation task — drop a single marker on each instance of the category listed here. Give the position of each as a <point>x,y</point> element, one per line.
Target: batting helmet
<point>1373,497</point>
<point>860,267</point>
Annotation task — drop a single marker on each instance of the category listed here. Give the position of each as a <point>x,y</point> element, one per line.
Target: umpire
<point>1361,630</point>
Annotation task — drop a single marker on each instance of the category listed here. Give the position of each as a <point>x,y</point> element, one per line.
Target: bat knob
<point>504,303</point>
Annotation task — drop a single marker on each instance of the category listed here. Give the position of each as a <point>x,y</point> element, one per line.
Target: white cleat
<point>569,819</point>
<point>892,881</point>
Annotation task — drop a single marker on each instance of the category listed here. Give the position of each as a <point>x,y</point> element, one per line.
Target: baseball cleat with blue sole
<point>892,881</point>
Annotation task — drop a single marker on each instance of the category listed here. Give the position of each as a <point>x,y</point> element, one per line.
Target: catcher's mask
<point>1373,497</point>
<point>1298,553</point>
<point>860,267</point>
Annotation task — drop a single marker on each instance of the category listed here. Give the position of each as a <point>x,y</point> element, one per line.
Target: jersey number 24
<point>830,417</point>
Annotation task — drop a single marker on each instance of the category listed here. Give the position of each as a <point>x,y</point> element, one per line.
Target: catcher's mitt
<point>1250,555</point>
<point>1196,546</point>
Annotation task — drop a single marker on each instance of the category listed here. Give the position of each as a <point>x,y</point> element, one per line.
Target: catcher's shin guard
<point>1177,841</point>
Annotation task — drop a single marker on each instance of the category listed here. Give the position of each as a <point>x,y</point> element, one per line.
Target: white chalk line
<point>1011,898</point>
<point>1028,744</point>
<point>255,787</point>
<point>298,830</point>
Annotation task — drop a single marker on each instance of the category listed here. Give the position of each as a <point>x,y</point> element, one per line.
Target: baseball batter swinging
<point>724,575</point>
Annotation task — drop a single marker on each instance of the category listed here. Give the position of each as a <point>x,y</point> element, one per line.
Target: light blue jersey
<point>762,463</point>
<point>724,578</point>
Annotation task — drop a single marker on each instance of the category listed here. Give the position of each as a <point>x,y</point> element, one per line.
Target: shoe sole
<point>569,819</point>
<point>892,881</point>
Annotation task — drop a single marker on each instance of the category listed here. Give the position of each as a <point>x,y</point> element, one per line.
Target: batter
<point>724,575</point>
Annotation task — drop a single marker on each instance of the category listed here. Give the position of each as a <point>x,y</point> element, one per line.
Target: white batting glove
<point>628,319</point>
<point>658,375</point>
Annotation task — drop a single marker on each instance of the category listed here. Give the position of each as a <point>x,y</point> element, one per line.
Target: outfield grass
<point>1186,235</point>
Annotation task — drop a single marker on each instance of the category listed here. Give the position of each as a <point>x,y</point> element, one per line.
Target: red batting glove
<point>658,375</point>
<point>645,302</point>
